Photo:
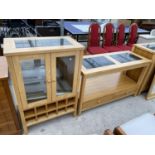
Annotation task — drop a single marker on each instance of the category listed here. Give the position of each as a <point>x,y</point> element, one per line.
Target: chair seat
<point>125,47</point>
<point>142,125</point>
<point>111,48</point>
<point>96,50</point>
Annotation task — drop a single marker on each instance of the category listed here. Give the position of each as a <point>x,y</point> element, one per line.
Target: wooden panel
<point>103,85</point>
<point>147,53</point>
<point>8,120</point>
<point>151,92</point>
<point>3,67</point>
<point>107,99</point>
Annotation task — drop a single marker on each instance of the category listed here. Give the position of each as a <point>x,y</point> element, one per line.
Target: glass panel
<point>65,74</point>
<point>125,57</point>
<point>41,43</point>
<point>150,46</point>
<point>33,72</point>
<point>96,62</point>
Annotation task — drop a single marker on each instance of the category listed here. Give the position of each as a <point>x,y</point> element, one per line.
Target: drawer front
<point>106,99</point>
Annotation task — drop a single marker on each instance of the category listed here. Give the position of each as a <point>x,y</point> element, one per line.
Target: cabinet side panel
<point>14,80</point>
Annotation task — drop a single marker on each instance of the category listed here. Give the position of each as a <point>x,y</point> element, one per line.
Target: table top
<point>3,68</point>
<point>107,62</point>
<point>79,28</point>
<point>18,46</point>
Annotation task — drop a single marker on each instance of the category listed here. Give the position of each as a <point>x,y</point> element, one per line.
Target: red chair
<point>93,46</point>
<point>121,38</point>
<point>132,34</point>
<point>108,37</point>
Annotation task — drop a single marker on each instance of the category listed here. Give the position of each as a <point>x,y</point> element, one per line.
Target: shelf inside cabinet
<point>31,120</point>
<point>42,116</point>
<point>71,100</point>
<point>29,113</point>
<point>51,106</point>
<point>41,109</point>
<point>61,104</point>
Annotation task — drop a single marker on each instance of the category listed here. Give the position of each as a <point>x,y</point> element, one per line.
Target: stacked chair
<point>94,39</point>
<point>108,38</point>
<point>109,44</point>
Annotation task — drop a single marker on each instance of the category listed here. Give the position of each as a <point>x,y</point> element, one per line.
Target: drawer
<point>106,99</point>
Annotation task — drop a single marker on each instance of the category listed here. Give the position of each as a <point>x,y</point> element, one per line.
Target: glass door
<point>65,69</point>
<point>33,79</point>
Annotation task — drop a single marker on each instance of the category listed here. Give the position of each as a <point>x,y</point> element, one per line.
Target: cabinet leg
<point>25,128</point>
<point>75,113</point>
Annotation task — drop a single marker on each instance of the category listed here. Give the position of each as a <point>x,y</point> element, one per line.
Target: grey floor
<point>95,121</point>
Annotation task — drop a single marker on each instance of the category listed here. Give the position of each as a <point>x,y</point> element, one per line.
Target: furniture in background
<point>142,125</point>
<point>133,35</point>
<point>120,38</point>
<point>152,33</point>
<point>77,29</point>
<point>93,46</point>
<point>9,123</point>
<point>110,76</point>
<point>48,28</point>
<point>145,38</point>
<point>108,38</point>
<point>109,43</point>
<point>148,51</point>
<point>46,74</point>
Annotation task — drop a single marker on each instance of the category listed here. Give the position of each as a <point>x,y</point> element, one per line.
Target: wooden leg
<point>140,80</point>
<point>83,83</point>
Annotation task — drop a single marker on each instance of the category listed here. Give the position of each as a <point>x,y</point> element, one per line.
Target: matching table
<point>111,76</point>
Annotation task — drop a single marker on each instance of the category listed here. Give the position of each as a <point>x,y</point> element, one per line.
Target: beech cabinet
<point>46,74</point>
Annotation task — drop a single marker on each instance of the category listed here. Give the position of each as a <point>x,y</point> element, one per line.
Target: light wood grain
<point>3,68</point>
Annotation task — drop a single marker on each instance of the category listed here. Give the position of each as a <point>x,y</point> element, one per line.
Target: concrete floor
<point>95,121</point>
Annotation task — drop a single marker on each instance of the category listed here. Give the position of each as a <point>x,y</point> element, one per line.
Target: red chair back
<point>94,35</point>
<point>133,34</point>
<point>120,35</point>
<point>108,34</point>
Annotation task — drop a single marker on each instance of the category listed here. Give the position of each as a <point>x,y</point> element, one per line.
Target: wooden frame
<point>98,88</point>
<point>151,93</point>
<point>53,107</point>
<point>17,66</point>
<point>53,66</point>
<point>149,54</point>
